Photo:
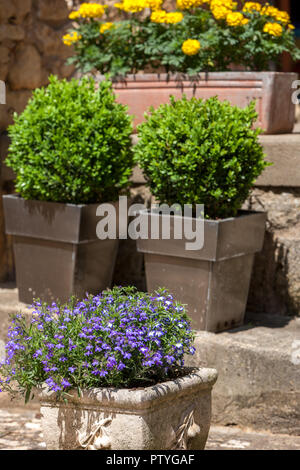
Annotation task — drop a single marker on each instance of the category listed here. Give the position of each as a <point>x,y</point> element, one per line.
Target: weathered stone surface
<point>22,8</point>
<point>259,381</point>
<point>275,284</point>
<point>12,32</point>
<point>4,62</point>
<point>20,429</point>
<point>53,11</point>
<point>134,419</point>
<point>7,10</point>
<point>283,151</point>
<point>49,41</point>
<point>15,102</point>
<point>26,72</point>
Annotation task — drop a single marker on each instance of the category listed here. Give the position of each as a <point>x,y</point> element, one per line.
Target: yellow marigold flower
<point>291,26</point>
<point>74,15</point>
<point>105,26</point>
<point>154,4</point>
<point>71,38</point>
<point>278,15</point>
<point>269,10</point>
<point>187,4</point>
<point>221,8</point>
<point>191,47</point>
<point>91,10</point>
<point>283,17</point>
<point>275,29</point>
<point>236,19</point>
<point>251,6</point>
<point>132,6</point>
<point>161,16</point>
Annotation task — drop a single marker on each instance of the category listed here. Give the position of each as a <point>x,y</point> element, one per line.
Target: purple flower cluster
<point>116,338</point>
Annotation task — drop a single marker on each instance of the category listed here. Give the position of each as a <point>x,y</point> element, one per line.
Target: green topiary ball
<point>201,152</point>
<point>71,144</point>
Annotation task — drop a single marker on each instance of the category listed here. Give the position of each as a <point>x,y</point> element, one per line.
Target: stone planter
<point>272,90</point>
<point>213,281</point>
<point>171,415</point>
<point>57,252</point>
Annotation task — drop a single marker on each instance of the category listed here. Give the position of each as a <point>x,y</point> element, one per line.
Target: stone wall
<point>31,49</point>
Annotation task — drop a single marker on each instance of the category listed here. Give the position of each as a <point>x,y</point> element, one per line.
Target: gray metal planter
<point>57,252</point>
<point>214,281</point>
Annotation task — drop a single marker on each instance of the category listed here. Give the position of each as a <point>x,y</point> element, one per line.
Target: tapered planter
<point>57,252</point>
<point>171,415</point>
<point>213,281</point>
<point>272,91</point>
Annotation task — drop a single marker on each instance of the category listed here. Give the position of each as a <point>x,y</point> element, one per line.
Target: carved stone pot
<point>170,415</point>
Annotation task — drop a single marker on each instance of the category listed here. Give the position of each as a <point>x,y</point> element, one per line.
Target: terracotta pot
<point>272,90</point>
<point>213,281</point>
<point>57,252</point>
<point>170,415</point>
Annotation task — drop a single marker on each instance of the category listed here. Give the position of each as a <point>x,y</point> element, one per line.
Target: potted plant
<point>204,48</point>
<point>203,152</point>
<point>70,150</point>
<point>109,372</point>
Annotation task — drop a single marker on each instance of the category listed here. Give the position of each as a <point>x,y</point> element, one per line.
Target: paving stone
<point>21,430</point>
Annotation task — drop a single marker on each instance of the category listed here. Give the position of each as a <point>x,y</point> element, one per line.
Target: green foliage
<point>71,144</point>
<point>201,152</point>
<point>136,43</point>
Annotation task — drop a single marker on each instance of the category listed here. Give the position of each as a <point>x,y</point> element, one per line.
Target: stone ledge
<point>283,150</point>
<point>259,379</point>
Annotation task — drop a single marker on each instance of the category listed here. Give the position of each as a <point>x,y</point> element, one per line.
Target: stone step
<point>282,150</point>
<point>22,430</point>
<point>258,365</point>
<point>259,373</point>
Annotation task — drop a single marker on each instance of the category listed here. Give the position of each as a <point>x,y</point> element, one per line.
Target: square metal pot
<point>214,281</point>
<point>57,252</point>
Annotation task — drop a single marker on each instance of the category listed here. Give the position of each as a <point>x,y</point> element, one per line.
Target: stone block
<point>283,150</point>
<point>275,284</point>
<point>7,10</point>
<point>259,381</point>
<point>11,32</point>
<point>5,56</point>
<point>26,71</point>
<point>22,8</point>
<point>53,11</point>
<point>15,102</point>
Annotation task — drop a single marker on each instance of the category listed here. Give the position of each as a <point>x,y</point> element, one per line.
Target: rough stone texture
<point>275,285</point>
<point>31,49</point>
<point>20,429</point>
<point>283,151</point>
<point>133,419</point>
<point>259,380</point>
<point>26,72</point>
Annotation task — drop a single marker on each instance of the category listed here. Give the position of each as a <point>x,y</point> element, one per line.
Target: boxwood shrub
<point>201,152</point>
<point>71,144</point>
